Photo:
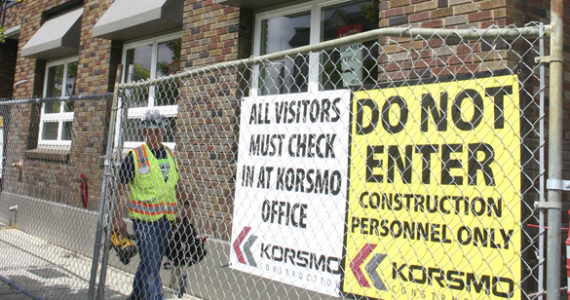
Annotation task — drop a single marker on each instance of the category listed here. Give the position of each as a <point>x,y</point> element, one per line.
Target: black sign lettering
<point>439,115</point>
<point>401,122</point>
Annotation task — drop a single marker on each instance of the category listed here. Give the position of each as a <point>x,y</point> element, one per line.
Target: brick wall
<point>22,115</point>
<point>54,175</point>
<point>212,33</point>
<point>13,15</point>
<point>447,59</point>
<point>97,67</point>
<point>460,13</point>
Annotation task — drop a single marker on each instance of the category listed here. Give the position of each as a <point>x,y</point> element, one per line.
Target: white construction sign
<point>290,201</point>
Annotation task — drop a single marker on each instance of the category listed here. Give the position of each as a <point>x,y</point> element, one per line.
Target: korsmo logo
<point>371,266</point>
<point>246,254</point>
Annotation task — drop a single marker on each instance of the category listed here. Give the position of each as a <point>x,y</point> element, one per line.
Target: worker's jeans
<point>152,238</point>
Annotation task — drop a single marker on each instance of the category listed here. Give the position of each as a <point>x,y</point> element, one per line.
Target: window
<point>278,34</point>
<point>310,23</point>
<point>150,59</point>
<point>57,117</point>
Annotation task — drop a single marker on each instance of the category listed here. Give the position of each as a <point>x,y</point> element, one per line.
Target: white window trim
<point>168,111</point>
<point>314,8</point>
<point>60,117</point>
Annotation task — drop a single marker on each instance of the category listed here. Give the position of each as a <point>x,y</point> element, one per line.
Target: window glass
<point>70,85</point>
<point>343,67</point>
<point>57,116</point>
<point>133,130</point>
<point>150,59</point>
<point>50,131</point>
<point>168,58</point>
<point>52,107</point>
<point>168,62</point>
<point>53,87</point>
<point>138,62</point>
<point>352,65</point>
<point>54,81</point>
<point>170,133</point>
<point>66,133</point>
<point>287,75</point>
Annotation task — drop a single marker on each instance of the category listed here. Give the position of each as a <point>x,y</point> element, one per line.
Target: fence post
<point>555,148</point>
<point>98,232</point>
<point>568,260</point>
<point>542,179</point>
<point>115,158</point>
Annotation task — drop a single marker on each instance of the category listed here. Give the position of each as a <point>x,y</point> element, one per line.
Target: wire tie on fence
<point>547,59</point>
<point>557,184</point>
<point>547,205</point>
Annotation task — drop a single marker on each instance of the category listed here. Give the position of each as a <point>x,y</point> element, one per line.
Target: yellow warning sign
<point>434,203</point>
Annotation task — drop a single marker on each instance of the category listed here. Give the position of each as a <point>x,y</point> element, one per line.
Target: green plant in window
<point>370,12</point>
<point>2,34</point>
<point>140,94</point>
<point>140,72</point>
<point>174,47</point>
<point>167,93</point>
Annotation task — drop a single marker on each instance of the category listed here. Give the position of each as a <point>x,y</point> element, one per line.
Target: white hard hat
<point>152,119</point>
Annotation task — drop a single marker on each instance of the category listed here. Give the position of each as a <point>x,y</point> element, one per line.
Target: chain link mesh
<point>404,166</point>
<point>49,197</point>
<point>399,167</point>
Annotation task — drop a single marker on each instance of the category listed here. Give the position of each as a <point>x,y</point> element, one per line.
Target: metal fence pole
<point>114,194</point>
<point>541,172</point>
<point>555,149</point>
<point>99,233</point>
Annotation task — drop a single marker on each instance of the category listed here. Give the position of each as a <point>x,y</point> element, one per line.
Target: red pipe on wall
<point>84,191</point>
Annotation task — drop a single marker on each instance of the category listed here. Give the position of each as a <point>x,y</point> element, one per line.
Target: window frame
<point>168,111</point>
<point>314,8</point>
<point>61,116</point>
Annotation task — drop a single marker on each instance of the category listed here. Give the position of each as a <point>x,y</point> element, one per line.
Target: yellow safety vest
<point>151,197</point>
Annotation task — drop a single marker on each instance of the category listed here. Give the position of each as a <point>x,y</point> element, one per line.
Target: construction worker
<point>151,172</point>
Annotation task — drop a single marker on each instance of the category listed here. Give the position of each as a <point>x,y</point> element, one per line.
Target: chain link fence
<point>400,163</point>
<point>48,207</point>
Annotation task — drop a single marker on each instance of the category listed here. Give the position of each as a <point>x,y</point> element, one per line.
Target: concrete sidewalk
<point>8,292</point>
<point>31,268</point>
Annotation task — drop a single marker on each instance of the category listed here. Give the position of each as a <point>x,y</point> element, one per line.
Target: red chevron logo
<point>358,260</point>
<point>238,242</point>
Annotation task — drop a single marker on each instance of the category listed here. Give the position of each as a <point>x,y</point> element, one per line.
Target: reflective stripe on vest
<point>151,196</point>
<point>152,209</point>
<point>146,208</point>
<point>142,160</point>
<point>171,209</point>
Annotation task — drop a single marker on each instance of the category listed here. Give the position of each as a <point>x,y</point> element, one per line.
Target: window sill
<point>58,155</point>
